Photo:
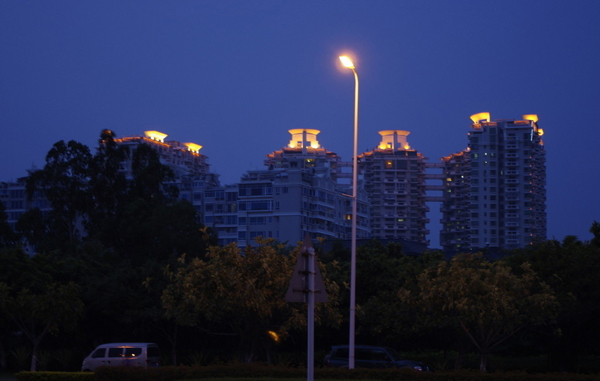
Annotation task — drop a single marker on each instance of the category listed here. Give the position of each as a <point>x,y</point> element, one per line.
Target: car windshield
<point>394,354</point>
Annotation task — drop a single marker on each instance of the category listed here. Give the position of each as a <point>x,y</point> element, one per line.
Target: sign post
<point>307,286</point>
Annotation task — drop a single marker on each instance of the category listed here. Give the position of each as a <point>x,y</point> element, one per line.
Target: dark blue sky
<point>235,76</point>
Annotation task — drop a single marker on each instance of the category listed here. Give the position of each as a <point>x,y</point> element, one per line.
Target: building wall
<point>455,234</point>
<point>394,176</point>
<point>182,158</point>
<point>504,167</point>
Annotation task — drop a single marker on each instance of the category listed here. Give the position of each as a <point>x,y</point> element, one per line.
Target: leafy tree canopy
<point>241,294</point>
<point>488,301</point>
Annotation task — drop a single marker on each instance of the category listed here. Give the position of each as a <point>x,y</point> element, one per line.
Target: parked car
<point>122,354</point>
<point>369,356</point>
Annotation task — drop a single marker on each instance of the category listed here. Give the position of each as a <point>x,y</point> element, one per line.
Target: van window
<point>342,353</point>
<point>363,354</point>
<point>153,352</point>
<point>133,352</point>
<point>99,353</point>
<point>380,355</point>
<point>115,352</point>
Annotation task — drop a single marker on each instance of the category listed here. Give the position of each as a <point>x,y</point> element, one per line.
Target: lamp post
<point>347,62</point>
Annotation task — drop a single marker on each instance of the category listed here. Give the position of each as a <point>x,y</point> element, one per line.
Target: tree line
<point>123,259</point>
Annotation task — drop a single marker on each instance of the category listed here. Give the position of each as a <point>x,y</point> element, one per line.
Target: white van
<point>122,354</point>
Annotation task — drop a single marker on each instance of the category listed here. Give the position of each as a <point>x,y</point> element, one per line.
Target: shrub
<point>55,376</point>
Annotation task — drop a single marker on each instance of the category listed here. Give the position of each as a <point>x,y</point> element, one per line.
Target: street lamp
<point>347,62</point>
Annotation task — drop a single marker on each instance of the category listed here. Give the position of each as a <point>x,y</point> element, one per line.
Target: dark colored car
<point>369,356</point>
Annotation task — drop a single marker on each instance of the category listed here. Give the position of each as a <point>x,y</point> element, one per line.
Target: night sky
<point>235,76</point>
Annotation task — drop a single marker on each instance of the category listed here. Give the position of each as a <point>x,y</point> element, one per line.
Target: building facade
<point>184,159</point>
<point>394,177</point>
<point>502,174</point>
<point>297,194</point>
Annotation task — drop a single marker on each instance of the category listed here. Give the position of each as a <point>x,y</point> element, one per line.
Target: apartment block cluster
<point>492,194</point>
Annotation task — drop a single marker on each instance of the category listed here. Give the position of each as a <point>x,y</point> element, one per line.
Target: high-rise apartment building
<point>394,177</point>
<point>304,152</point>
<point>456,201</point>
<point>501,178</point>
<point>297,195</point>
<point>184,159</point>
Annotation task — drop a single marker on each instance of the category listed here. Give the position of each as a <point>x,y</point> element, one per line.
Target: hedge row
<point>55,376</point>
<point>254,371</point>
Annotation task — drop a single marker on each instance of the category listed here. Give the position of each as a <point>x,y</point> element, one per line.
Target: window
<point>99,353</point>
<point>133,352</point>
<point>341,353</point>
<point>115,352</point>
<point>256,205</point>
<point>258,221</point>
<point>255,190</point>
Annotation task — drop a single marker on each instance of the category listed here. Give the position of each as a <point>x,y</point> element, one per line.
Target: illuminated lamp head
<point>347,62</point>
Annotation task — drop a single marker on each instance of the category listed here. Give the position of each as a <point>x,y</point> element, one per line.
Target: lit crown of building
<point>394,139</point>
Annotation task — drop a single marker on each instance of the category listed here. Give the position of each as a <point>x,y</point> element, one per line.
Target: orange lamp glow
<point>274,336</point>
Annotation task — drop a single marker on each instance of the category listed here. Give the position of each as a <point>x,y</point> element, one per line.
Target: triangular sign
<point>299,287</point>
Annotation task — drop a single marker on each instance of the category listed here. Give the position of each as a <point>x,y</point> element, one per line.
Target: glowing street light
<point>347,62</point>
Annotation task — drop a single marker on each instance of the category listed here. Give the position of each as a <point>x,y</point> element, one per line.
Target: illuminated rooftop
<point>155,135</point>
<point>304,138</point>
<point>485,118</point>
<point>394,139</point>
